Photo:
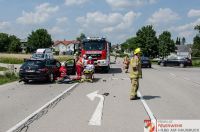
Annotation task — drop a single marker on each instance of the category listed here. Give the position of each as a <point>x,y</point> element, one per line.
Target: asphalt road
<point>170,93</point>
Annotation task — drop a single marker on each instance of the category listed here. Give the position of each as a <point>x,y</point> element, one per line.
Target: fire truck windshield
<point>94,45</point>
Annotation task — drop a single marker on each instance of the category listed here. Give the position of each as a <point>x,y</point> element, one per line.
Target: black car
<point>175,61</point>
<point>39,70</point>
<point>146,62</point>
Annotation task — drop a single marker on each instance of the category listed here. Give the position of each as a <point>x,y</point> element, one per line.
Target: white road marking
<point>186,78</point>
<point>21,123</point>
<point>97,115</point>
<point>172,74</point>
<point>148,110</point>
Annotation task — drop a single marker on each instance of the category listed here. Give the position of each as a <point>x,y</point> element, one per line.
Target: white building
<point>65,46</point>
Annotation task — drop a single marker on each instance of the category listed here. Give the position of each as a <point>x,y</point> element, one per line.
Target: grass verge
<point>19,58</point>
<point>3,68</point>
<point>196,63</point>
<point>8,77</point>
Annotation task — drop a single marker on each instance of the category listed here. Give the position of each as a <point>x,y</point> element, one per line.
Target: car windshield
<point>34,63</point>
<point>38,56</point>
<point>94,45</point>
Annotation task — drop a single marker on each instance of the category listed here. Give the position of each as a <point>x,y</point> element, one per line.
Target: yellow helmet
<point>137,51</point>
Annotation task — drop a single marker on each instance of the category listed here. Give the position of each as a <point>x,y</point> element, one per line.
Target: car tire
<point>51,77</point>
<point>26,81</point>
<point>182,65</point>
<point>150,66</point>
<point>162,64</point>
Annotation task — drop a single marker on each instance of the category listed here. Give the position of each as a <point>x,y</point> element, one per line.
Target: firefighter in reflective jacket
<point>135,73</point>
<point>79,67</point>
<point>62,71</point>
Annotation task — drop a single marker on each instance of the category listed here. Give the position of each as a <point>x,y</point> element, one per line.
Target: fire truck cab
<point>99,50</point>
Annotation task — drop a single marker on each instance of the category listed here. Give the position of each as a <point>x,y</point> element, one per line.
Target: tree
<point>4,42</point>
<point>196,47</point>
<point>39,39</point>
<point>15,45</point>
<point>196,43</point>
<point>166,44</point>
<point>146,39</point>
<point>197,27</point>
<point>130,44</point>
<point>81,37</point>
<point>183,41</point>
<point>178,42</point>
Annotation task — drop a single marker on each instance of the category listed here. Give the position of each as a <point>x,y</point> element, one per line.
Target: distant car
<point>39,70</point>
<point>146,62</point>
<point>175,61</point>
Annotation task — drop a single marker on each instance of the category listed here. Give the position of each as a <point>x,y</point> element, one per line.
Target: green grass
<point>8,77</point>
<point>19,60</point>
<point>9,60</point>
<point>196,63</point>
<point>3,68</point>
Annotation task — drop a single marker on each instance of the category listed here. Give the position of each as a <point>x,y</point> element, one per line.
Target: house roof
<point>66,42</point>
<point>183,48</point>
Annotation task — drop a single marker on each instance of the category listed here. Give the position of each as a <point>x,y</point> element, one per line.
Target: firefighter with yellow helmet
<point>135,73</point>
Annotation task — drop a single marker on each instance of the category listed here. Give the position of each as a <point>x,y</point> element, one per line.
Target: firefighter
<point>135,74</point>
<point>79,67</point>
<point>126,63</point>
<point>62,71</point>
<point>76,56</point>
<point>90,61</point>
<point>84,60</point>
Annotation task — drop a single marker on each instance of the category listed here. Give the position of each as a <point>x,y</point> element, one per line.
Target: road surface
<point>169,93</point>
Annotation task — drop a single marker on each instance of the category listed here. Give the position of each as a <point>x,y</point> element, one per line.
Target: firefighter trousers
<point>134,87</point>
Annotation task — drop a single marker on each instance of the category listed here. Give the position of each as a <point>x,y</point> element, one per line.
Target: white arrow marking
<point>97,115</point>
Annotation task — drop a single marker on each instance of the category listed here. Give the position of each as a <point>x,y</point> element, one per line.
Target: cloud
<point>163,16</point>
<point>4,25</point>
<point>107,22</point>
<point>129,3</point>
<point>112,25</point>
<point>186,30</point>
<point>56,30</point>
<point>62,20</point>
<point>193,13</point>
<point>41,14</point>
<point>60,28</point>
<point>75,2</point>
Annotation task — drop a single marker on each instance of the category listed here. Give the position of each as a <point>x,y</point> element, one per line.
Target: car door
<point>71,67</point>
<point>56,66</point>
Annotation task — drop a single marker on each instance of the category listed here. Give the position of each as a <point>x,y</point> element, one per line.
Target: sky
<point>117,20</point>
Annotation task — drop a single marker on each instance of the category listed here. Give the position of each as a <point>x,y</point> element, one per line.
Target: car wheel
<point>150,66</point>
<point>162,64</point>
<point>51,77</point>
<point>182,65</point>
<point>26,81</point>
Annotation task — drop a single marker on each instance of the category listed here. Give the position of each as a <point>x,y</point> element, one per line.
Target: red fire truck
<point>99,49</point>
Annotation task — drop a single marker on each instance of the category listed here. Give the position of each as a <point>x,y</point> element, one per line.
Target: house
<point>184,50</point>
<point>66,46</point>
